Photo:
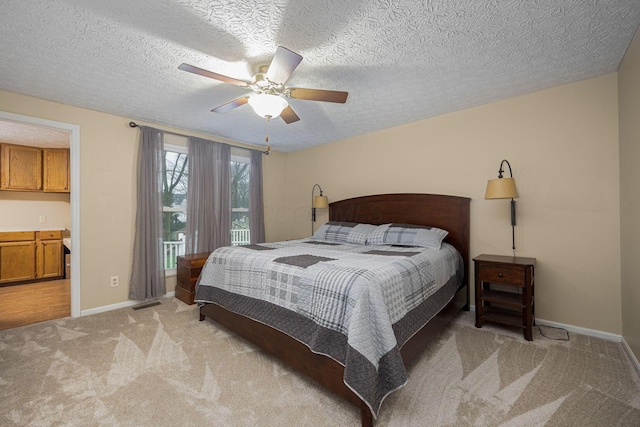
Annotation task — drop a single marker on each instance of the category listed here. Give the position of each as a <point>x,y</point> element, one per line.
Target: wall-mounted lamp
<point>504,188</point>
<point>317,202</point>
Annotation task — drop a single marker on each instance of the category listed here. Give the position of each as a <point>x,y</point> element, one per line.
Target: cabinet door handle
<point>500,275</point>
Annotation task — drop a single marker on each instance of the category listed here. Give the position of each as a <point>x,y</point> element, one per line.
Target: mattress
<point>357,304</point>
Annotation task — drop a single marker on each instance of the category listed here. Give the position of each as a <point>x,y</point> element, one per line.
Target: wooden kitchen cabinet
<point>49,254</point>
<point>17,261</point>
<point>17,256</point>
<point>20,168</point>
<point>55,170</point>
<point>28,255</point>
<point>34,169</point>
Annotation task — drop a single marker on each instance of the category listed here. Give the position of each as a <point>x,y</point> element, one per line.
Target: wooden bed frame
<point>450,213</point>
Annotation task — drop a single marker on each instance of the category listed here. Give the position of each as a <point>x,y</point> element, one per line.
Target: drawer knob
<point>500,275</point>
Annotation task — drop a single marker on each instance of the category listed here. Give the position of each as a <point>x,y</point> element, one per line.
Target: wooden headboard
<point>450,213</point>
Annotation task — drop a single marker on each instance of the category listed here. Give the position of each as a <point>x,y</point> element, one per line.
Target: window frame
<point>240,155</point>
<point>181,149</point>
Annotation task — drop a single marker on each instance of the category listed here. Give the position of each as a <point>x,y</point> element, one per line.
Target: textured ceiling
<point>32,135</point>
<point>400,60</point>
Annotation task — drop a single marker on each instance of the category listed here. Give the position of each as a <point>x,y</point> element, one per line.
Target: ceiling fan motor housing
<point>261,84</point>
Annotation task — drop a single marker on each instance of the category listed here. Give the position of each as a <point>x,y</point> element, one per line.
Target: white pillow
<point>407,235</point>
<point>344,232</point>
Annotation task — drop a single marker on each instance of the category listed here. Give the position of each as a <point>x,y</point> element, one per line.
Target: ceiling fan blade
<point>212,75</point>
<point>319,95</point>
<point>231,105</point>
<point>289,116</point>
<point>282,65</point>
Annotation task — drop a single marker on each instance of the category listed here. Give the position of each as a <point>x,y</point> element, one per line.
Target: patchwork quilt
<point>357,304</point>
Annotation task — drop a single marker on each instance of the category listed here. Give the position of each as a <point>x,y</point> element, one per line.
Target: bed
<point>338,365</point>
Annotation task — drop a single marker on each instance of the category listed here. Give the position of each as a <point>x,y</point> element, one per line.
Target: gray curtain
<point>208,196</point>
<point>256,202</point>
<point>147,276</point>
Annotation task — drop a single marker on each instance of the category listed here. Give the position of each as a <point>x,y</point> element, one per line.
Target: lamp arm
<point>504,193</point>
<point>313,210</point>
<point>513,202</point>
<point>314,187</point>
<point>501,171</point>
<point>513,208</point>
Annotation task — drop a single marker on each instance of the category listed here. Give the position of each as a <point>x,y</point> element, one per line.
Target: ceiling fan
<point>270,97</point>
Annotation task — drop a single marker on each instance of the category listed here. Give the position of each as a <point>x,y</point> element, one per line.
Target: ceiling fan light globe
<point>268,105</point>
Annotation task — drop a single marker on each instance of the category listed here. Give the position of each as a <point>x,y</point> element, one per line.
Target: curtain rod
<point>135,125</point>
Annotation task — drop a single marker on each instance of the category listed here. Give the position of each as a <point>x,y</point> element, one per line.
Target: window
<point>240,167</point>
<point>174,202</point>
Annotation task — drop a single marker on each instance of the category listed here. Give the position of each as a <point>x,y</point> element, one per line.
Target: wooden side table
<point>189,268</point>
<point>514,305</point>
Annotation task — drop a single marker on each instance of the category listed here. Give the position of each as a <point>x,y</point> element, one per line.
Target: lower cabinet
<point>30,256</point>
<point>17,261</point>
<point>49,259</point>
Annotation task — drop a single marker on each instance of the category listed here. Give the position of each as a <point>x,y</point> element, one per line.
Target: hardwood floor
<point>30,303</point>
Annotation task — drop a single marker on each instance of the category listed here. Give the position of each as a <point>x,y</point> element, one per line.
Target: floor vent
<point>151,304</point>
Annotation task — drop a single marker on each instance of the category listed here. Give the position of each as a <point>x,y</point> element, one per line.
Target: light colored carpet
<point>160,366</point>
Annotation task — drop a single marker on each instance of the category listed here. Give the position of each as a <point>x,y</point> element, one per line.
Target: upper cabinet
<point>34,169</point>
<point>20,168</point>
<point>56,170</point>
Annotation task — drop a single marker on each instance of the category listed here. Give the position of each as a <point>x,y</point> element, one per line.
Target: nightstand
<point>505,291</point>
<point>189,268</point>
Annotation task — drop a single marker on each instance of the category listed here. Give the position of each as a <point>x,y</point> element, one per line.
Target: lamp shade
<point>320,202</point>
<point>268,105</point>
<point>501,188</point>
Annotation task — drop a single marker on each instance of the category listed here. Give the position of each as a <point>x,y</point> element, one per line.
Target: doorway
<point>74,167</point>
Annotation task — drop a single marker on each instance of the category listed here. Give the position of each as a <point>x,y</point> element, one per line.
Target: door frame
<point>74,146</point>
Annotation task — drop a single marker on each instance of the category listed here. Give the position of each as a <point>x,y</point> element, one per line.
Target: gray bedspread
<point>357,304</point>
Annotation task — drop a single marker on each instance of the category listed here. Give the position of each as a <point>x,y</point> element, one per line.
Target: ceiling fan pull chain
<point>266,138</point>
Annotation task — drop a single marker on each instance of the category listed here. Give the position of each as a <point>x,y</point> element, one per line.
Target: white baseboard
<point>632,357</point>
<point>580,330</point>
<point>116,306</point>
<point>592,333</point>
<point>577,329</point>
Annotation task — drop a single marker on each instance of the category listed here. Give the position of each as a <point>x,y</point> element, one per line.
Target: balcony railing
<point>171,252</point>
<point>176,248</point>
<point>240,237</point>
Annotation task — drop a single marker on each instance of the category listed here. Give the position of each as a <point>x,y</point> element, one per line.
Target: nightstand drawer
<point>499,274</point>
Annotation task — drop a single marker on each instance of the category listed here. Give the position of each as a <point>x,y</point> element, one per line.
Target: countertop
<point>33,228</point>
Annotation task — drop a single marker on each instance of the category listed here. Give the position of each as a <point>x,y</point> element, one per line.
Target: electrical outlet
<point>114,281</point>
<point>42,218</point>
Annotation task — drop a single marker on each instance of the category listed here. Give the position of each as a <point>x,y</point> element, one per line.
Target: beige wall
<point>108,156</point>
<point>561,142</point>
<point>629,105</point>
<point>19,209</point>
<point>563,146</point>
